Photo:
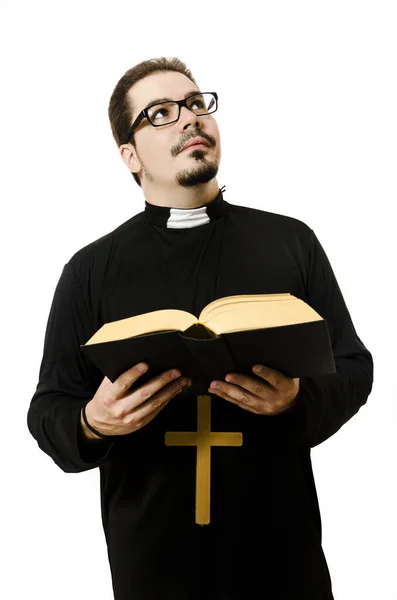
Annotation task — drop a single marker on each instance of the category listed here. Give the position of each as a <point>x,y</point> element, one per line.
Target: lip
<point>195,146</point>
<point>200,142</point>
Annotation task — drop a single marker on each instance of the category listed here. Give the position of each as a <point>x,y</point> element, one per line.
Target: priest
<point>207,492</point>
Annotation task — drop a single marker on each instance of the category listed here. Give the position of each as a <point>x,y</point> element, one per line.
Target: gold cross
<point>203,438</point>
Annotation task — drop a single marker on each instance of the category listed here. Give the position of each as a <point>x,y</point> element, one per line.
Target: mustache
<point>206,137</point>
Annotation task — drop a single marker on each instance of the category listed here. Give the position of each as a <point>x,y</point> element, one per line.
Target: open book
<point>231,334</point>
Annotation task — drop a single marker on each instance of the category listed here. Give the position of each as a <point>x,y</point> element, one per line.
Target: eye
<point>198,103</point>
<point>160,110</point>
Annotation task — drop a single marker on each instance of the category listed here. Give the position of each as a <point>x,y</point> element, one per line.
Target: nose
<point>187,117</point>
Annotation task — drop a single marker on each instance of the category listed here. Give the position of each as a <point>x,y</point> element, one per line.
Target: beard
<point>201,172</point>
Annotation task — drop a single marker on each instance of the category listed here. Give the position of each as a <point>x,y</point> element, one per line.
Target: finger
<point>272,376</point>
<point>155,386</point>
<point>237,396</point>
<point>142,418</point>
<point>146,418</point>
<point>256,386</point>
<point>149,409</point>
<point>127,378</point>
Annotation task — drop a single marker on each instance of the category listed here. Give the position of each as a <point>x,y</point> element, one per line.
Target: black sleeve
<point>327,402</point>
<point>67,381</point>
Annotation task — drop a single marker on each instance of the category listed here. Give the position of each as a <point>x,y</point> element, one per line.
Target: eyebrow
<point>158,100</point>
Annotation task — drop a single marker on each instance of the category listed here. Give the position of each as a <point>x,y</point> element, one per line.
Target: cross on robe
<point>203,438</point>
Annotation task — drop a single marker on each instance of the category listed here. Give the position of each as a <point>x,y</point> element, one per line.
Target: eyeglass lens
<point>166,112</point>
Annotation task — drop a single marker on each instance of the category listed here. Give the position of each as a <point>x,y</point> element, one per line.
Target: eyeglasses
<point>168,112</point>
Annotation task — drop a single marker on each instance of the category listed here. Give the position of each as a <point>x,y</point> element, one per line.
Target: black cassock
<point>264,536</point>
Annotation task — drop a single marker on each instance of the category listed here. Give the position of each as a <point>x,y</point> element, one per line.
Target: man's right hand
<point>114,412</point>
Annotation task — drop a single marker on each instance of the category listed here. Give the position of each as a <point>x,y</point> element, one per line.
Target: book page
<point>257,315</point>
<point>158,320</point>
<point>207,311</point>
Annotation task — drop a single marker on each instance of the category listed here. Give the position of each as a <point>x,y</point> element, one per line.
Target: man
<point>187,248</point>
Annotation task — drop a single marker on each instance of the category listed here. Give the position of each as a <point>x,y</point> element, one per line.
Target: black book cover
<point>298,350</point>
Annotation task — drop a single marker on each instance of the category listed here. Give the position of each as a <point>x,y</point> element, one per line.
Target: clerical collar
<point>182,218</point>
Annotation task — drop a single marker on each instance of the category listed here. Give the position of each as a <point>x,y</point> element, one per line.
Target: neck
<point>171,217</point>
<point>181,197</point>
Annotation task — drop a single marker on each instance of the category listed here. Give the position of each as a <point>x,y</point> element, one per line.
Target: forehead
<point>169,84</point>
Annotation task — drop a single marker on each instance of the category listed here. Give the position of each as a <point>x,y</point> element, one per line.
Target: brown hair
<point>120,108</point>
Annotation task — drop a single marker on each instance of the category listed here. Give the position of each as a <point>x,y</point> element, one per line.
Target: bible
<point>231,334</point>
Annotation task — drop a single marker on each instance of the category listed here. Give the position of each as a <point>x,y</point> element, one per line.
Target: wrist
<point>87,431</point>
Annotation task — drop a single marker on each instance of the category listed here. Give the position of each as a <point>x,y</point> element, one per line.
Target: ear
<point>127,152</point>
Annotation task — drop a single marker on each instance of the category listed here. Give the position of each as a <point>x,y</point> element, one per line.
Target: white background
<point>307,114</point>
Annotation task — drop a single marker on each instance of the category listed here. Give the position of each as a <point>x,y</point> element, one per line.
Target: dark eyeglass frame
<point>180,103</point>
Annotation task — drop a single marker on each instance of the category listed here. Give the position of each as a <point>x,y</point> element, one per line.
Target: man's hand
<point>275,394</point>
<point>114,410</point>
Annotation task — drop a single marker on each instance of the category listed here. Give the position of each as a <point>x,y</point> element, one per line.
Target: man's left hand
<point>275,394</point>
